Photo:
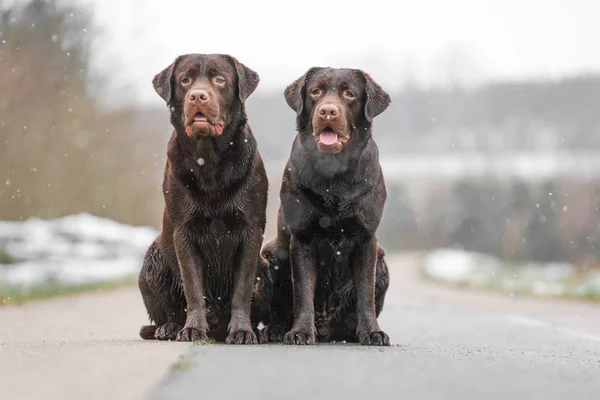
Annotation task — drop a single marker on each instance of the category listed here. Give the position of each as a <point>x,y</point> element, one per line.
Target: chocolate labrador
<point>198,276</point>
<point>330,275</point>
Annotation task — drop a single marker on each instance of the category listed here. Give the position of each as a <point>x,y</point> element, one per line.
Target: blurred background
<point>490,149</point>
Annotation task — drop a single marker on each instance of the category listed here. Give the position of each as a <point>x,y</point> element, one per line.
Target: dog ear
<point>294,93</point>
<point>377,98</point>
<point>247,79</point>
<point>162,82</point>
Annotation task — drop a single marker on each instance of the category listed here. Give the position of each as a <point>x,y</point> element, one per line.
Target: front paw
<point>167,331</point>
<point>275,333</point>
<point>262,335</point>
<point>191,334</point>
<point>241,336</point>
<point>299,337</point>
<point>374,338</point>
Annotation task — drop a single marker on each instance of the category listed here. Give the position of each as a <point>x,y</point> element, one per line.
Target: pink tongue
<point>328,138</point>
<point>199,118</point>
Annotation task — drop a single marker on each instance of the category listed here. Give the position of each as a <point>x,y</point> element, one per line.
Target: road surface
<point>81,347</point>
<point>447,343</point>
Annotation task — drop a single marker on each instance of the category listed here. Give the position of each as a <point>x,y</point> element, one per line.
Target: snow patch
<point>484,271</point>
<point>74,249</point>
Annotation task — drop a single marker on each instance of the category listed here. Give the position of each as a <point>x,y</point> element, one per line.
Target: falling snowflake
<point>200,161</point>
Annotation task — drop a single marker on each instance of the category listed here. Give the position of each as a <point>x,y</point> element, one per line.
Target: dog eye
<point>186,81</point>
<point>349,94</point>
<point>219,80</point>
<point>316,92</point>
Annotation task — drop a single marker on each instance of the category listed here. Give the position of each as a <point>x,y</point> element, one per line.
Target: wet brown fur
<point>329,274</point>
<point>199,275</point>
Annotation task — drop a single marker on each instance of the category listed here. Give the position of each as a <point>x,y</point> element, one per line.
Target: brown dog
<point>332,199</point>
<point>201,270</point>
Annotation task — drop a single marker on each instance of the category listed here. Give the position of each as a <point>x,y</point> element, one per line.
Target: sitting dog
<point>198,276</point>
<point>329,274</point>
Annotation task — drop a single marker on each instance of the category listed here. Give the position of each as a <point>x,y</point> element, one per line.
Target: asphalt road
<point>83,347</point>
<point>447,344</point>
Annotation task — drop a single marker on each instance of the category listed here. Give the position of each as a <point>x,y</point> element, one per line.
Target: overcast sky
<point>430,41</point>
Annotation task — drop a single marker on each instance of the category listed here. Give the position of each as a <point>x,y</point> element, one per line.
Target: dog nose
<point>329,111</point>
<point>198,96</point>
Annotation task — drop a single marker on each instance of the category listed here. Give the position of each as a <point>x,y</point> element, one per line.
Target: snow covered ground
<point>75,249</point>
<point>483,271</point>
<point>80,249</point>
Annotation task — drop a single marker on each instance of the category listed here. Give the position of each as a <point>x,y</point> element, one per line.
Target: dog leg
<point>382,280</point>
<point>240,327</point>
<point>363,276</point>
<point>304,272</point>
<point>192,273</point>
<point>343,307</point>
<point>281,303</point>
<point>164,307</point>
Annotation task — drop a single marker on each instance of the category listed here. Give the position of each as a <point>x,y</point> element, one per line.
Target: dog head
<point>336,106</point>
<point>205,92</point>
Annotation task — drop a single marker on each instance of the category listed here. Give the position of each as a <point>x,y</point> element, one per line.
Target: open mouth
<point>328,137</point>
<point>199,117</point>
<point>200,121</point>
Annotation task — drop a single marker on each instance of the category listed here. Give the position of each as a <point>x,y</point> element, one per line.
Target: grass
<point>18,294</point>
<point>204,342</point>
<point>5,257</point>
<point>181,365</point>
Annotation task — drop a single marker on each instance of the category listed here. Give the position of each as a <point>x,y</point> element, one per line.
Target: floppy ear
<point>247,79</point>
<point>294,93</point>
<point>162,82</point>
<point>377,98</point>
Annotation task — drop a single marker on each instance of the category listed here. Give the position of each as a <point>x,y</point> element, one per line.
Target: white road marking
<point>532,322</point>
<point>527,321</point>
<point>578,334</point>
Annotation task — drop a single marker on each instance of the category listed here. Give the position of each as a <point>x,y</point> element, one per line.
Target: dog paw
<point>299,337</point>
<point>191,334</point>
<point>262,336</point>
<point>167,331</point>
<point>241,336</point>
<point>375,338</point>
<point>275,333</point>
